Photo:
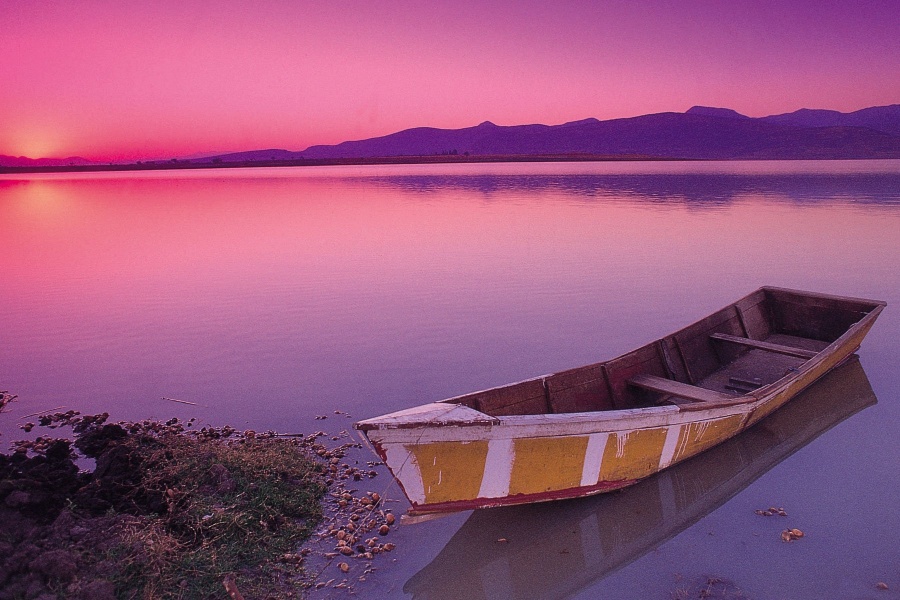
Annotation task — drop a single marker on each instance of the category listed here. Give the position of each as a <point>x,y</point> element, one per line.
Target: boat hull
<point>448,456</point>
<point>518,461</point>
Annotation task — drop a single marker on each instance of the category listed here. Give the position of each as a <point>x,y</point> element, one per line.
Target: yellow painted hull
<point>449,456</point>
<point>443,474</point>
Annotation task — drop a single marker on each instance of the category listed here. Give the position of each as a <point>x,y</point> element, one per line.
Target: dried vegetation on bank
<point>167,512</point>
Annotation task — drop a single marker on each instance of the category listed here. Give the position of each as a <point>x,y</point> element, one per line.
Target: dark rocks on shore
<point>38,487</point>
<point>39,550</point>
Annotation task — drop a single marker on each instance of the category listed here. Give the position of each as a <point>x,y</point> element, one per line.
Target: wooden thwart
<point>777,348</point>
<point>676,388</point>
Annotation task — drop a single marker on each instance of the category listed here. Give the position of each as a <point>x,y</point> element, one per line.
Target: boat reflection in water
<point>556,549</point>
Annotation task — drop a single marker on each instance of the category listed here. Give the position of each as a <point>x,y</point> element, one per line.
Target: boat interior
<point>746,345</point>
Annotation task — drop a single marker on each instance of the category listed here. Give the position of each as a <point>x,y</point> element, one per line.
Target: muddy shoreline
<point>170,511</point>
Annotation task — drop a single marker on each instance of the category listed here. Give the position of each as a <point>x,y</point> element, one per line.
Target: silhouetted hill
<point>711,111</point>
<point>880,118</point>
<point>700,133</point>
<point>22,161</point>
<point>271,154</point>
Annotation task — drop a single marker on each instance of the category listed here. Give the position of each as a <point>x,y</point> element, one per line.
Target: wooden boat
<point>605,426</point>
<point>559,551</point>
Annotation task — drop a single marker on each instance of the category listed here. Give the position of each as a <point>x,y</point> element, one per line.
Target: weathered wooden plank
<point>700,357</point>
<point>756,316</point>
<point>664,358</point>
<point>619,370</point>
<point>777,348</point>
<point>684,360</point>
<point>672,359</point>
<point>740,316</point>
<point>578,390</point>
<point>676,388</point>
<point>523,398</point>
<point>826,301</point>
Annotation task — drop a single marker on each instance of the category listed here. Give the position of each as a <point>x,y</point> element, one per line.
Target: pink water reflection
<point>269,296</point>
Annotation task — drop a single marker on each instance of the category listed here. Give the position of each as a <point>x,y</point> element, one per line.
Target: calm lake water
<point>269,297</point>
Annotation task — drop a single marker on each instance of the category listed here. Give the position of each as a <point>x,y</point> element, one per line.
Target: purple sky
<point>114,80</point>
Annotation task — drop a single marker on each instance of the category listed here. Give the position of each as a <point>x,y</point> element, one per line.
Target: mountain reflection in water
<point>556,549</point>
<point>701,189</point>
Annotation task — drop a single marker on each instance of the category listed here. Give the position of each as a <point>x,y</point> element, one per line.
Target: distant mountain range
<point>700,133</point>
<point>22,161</point>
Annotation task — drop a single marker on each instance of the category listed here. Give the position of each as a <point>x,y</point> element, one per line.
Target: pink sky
<point>113,80</point>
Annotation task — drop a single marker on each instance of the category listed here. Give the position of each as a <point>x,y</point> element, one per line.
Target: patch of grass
<point>168,512</point>
<point>232,506</point>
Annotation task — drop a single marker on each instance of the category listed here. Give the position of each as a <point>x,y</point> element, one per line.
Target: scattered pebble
<point>354,518</point>
<point>771,511</point>
<point>881,585</point>
<point>789,535</point>
<point>344,567</point>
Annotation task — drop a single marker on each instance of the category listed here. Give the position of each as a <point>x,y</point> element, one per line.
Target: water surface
<point>269,297</point>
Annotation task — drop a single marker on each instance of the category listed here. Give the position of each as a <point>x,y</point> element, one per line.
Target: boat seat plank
<point>676,388</point>
<point>777,348</point>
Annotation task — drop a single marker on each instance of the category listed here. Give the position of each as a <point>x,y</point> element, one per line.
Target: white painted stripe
<point>593,457</point>
<point>668,451</point>
<point>621,438</point>
<point>405,468</point>
<point>497,469</point>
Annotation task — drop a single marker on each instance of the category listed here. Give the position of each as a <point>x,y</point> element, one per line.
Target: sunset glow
<point>108,80</point>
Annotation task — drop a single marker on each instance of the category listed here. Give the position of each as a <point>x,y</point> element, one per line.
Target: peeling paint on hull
<point>445,475</point>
